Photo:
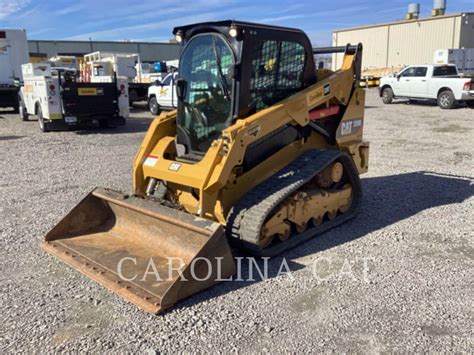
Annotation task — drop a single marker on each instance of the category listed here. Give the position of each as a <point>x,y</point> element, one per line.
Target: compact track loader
<point>262,153</point>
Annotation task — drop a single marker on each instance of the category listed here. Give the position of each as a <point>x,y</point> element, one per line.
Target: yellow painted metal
<point>108,227</point>
<point>211,186</point>
<point>303,207</point>
<point>55,116</point>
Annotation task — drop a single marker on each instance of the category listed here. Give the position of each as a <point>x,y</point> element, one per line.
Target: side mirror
<point>158,83</point>
<point>181,87</point>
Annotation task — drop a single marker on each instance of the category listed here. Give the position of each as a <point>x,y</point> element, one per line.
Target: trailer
<point>13,53</point>
<point>370,77</point>
<point>463,58</point>
<point>60,100</point>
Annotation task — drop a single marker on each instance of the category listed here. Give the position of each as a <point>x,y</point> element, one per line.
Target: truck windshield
<point>445,71</point>
<point>205,109</point>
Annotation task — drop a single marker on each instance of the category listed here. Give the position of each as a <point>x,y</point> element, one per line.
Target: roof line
<point>93,41</point>
<point>403,22</point>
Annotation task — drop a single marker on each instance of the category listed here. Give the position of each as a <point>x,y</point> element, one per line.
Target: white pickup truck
<point>162,94</point>
<point>437,82</point>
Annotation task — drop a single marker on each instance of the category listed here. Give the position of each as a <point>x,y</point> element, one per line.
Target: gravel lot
<point>396,278</point>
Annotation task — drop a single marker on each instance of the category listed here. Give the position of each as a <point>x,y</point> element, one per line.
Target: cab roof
<point>239,24</point>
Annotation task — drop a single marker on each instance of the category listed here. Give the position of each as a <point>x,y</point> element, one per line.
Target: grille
<point>276,73</point>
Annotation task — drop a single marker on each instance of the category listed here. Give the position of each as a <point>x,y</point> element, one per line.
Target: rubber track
<point>246,218</point>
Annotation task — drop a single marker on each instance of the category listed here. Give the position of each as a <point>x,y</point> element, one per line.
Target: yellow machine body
<point>130,242</point>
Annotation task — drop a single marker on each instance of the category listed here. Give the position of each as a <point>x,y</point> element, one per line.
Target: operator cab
<point>213,88</point>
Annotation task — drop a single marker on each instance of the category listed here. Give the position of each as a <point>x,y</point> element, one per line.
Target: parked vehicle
<point>59,100</point>
<point>162,94</point>
<point>437,82</point>
<point>13,53</point>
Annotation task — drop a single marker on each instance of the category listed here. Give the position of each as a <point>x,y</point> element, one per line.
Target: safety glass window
<point>167,80</point>
<point>444,71</point>
<point>409,72</point>
<point>206,107</point>
<point>421,71</point>
<point>276,72</point>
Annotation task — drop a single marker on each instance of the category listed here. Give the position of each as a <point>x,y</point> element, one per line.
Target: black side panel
<point>268,145</point>
<point>90,99</point>
<point>9,96</point>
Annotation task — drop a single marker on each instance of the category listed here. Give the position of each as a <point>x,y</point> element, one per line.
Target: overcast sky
<point>147,20</point>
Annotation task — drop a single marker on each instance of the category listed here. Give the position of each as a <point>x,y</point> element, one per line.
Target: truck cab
<point>162,94</point>
<point>428,82</point>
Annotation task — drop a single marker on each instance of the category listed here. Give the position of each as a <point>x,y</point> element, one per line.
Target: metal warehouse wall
<point>407,42</point>
<point>149,52</point>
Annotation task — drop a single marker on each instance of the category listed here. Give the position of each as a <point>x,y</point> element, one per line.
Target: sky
<point>153,20</point>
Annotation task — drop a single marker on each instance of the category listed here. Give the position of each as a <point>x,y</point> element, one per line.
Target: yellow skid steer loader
<point>263,153</point>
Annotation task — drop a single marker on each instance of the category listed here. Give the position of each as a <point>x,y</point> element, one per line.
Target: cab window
<point>167,80</point>
<point>276,72</point>
<point>409,72</point>
<point>445,71</point>
<point>421,71</point>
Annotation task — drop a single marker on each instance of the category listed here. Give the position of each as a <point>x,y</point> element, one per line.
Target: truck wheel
<point>154,106</point>
<point>387,96</point>
<point>22,113</point>
<point>446,100</point>
<point>41,123</point>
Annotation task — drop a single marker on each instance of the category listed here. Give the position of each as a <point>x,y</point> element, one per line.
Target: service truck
<point>13,53</point>
<point>60,100</point>
<point>436,82</point>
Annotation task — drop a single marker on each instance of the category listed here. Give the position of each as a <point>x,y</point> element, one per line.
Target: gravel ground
<point>396,278</point>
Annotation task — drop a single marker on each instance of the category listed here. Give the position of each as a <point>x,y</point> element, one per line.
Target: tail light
<point>467,85</point>
<point>52,87</point>
<point>122,89</point>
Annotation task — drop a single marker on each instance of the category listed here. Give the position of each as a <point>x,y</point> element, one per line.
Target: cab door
<point>174,97</point>
<point>165,94</point>
<point>418,83</point>
<point>402,85</point>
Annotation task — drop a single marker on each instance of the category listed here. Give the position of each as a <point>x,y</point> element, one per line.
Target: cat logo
<point>351,127</point>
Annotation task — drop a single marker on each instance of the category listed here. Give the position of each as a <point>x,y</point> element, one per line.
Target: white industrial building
<point>408,42</point>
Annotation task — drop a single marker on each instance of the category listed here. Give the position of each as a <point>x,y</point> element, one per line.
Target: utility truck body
<point>59,100</point>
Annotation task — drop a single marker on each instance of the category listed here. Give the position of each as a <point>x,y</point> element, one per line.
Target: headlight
<point>233,31</point>
<point>179,36</point>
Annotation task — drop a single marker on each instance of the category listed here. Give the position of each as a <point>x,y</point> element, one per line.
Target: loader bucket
<point>150,254</point>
